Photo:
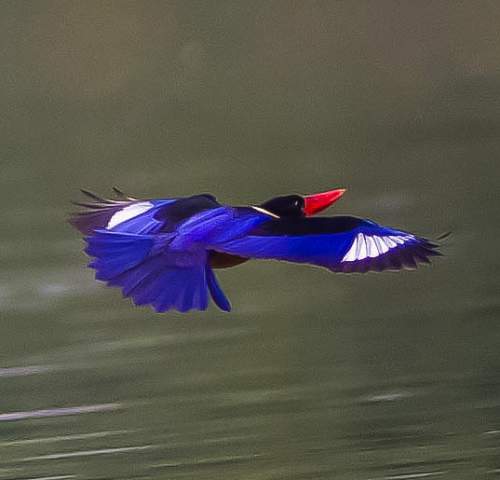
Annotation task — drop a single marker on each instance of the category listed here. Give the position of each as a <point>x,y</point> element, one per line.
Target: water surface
<point>313,375</point>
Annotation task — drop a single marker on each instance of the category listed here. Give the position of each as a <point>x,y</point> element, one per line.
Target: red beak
<point>318,202</point>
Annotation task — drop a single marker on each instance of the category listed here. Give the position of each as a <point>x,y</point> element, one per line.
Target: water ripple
<point>25,371</point>
<point>223,460</point>
<point>64,438</point>
<point>59,412</point>
<point>54,477</point>
<point>89,453</point>
<point>410,476</point>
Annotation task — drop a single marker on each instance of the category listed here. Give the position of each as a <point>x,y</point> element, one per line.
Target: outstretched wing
<point>131,215</point>
<point>160,258</point>
<point>106,213</point>
<point>147,272</point>
<point>341,244</point>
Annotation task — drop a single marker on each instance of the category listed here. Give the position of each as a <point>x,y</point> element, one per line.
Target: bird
<point>163,252</point>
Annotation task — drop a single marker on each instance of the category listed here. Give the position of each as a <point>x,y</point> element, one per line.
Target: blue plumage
<point>117,252</point>
<point>216,292</point>
<point>155,282</point>
<point>330,250</point>
<point>162,252</point>
<point>135,250</point>
<point>147,272</point>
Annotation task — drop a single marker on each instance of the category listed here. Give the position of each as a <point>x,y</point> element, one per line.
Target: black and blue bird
<point>163,252</point>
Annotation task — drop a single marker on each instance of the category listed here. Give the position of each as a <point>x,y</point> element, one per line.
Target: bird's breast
<point>224,260</point>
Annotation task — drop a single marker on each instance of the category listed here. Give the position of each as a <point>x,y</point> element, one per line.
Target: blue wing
<point>159,256</point>
<point>148,272</point>
<point>341,244</point>
<point>121,214</point>
<point>132,215</point>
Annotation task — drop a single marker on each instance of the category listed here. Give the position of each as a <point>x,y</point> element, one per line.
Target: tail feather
<point>187,289</point>
<point>98,210</point>
<point>116,253</point>
<point>216,291</point>
<point>87,222</point>
<point>149,275</point>
<point>165,288</point>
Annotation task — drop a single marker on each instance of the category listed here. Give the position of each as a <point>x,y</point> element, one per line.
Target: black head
<point>302,206</point>
<point>287,206</point>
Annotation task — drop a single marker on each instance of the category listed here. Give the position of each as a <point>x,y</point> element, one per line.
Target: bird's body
<point>162,252</point>
<point>225,260</point>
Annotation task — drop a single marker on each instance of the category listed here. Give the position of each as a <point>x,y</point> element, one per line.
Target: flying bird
<point>163,252</point>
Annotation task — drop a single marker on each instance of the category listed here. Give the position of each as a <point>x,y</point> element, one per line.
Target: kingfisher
<point>163,252</point>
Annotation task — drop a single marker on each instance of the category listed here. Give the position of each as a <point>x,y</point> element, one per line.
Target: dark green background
<point>313,375</point>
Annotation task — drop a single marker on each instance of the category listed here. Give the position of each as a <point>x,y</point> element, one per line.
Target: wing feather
<point>341,244</point>
<point>106,213</point>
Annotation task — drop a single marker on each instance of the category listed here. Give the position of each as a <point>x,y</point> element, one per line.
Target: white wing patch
<point>128,212</point>
<point>373,246</point>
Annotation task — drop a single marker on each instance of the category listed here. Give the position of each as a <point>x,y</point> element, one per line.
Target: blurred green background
<point>313,375</point>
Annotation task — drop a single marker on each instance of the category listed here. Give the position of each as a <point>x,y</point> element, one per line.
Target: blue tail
<point>158,283</point>
<point>116,253</point>
<point>216,291</point>
<point>152,276</point>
